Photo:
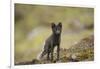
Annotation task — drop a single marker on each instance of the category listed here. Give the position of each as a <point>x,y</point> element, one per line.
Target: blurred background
<point>33,27</point>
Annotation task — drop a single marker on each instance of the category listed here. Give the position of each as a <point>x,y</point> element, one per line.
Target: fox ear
<point>53,25</point>
<point>60,24</point>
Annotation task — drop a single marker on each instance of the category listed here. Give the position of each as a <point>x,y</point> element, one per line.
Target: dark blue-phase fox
<point>53,41</point>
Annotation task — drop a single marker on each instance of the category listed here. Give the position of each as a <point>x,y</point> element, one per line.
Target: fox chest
<point>56,41</point>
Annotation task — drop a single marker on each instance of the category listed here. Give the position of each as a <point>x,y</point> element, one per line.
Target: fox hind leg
<point>43,53</point>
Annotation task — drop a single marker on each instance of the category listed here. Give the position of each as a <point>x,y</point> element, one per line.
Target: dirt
<point>82,51</point>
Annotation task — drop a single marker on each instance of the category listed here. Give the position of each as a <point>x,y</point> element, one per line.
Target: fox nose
<point>57,31</point>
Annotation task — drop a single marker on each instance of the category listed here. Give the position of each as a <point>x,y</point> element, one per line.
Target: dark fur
<point>53,41</point>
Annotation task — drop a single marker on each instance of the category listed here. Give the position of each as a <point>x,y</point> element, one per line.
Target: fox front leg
<point>58,53</point>
<point>48,58</point>
<point>52,52</point>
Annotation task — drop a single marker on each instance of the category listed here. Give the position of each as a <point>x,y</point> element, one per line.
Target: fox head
<point>56,29</point>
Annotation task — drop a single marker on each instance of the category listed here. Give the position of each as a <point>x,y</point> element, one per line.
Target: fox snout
<point>58,32</point>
